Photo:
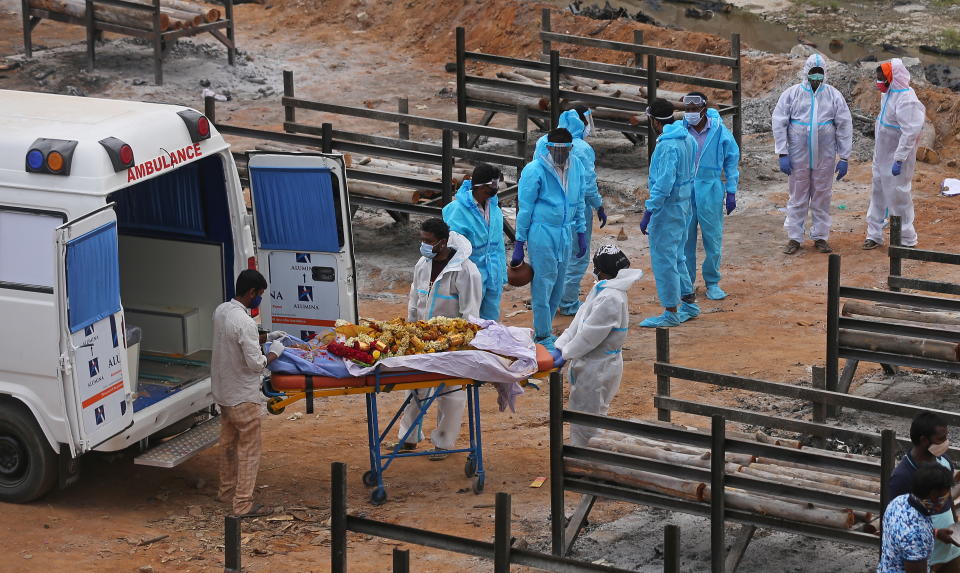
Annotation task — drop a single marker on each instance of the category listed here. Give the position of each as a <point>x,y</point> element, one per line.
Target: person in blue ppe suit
<point>667,214</point>
<point>475,213</point>
<point>812,127</point>
<point>549,215</point>
<point>594,341</point>
<point>717,155</point>
<point>579,122</point>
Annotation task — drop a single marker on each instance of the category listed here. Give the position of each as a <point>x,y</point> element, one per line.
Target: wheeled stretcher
<point>285,389</point>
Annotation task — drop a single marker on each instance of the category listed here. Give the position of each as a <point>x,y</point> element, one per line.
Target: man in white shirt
<point>236,373</point>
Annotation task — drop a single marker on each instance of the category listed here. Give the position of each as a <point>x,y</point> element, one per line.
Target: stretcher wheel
<point>369,479</point>
<point>470,467</point>
<point>478,485</point>
<point>378,496</point>
<point>272,406</point>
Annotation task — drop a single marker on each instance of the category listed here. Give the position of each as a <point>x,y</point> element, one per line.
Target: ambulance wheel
<point>378,496</point>
<point>369,479</point>
<point>28,465</point>
<point>470,468</point>
<point>273,408</point>
<point>478,485</point>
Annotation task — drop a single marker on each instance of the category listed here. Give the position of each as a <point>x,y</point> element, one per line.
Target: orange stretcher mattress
<point>300,382</point>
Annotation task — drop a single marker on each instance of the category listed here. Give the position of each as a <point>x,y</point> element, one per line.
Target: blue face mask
<point>255,302</point>
<point>692,117</point>
<point>427,251</point>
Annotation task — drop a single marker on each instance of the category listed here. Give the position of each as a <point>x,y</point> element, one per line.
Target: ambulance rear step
<point>181,448</point>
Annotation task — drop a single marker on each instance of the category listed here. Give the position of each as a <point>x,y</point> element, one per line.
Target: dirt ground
<point>369,53</point>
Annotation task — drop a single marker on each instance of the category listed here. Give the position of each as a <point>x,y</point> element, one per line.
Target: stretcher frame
<point>380,461</point>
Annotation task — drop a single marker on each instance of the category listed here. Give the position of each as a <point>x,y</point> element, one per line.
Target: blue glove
<point>557,358</point>
<point>897,168</point>
<point>602,217</point>
<point>582,243</point>
<point>645,221</point>
<point>517,254</point>
<point>785,165</point>
<point>841,169</point>
<point>731,202</point>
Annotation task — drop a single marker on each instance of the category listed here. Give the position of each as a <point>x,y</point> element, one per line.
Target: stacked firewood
<point>174,14</point>
<point>897,344</point>
<point>805,476</point>
<point>628,92</point>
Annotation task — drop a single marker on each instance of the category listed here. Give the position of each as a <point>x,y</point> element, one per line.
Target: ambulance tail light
<point>197,124</point>
<point>52,156</point>
<point>120,154</point>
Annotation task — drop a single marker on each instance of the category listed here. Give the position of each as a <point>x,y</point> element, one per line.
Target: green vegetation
<point>950,39</point>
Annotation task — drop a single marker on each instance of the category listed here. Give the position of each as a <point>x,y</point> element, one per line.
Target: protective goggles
<point>493,184</point>
<point>815,77</point>
<point>664,118</point>
<point>559,145</point>
<point>694,100</point>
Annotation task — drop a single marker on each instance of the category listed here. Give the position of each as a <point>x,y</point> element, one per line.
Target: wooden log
<point>908,345</point>
<point>671,96</point>
<point>667,485</point>
<point>189,19</point>
<point>616,442</point>
<point>928,139</point>
<point>209,13</point>
<point>515,77</point>
<point>856,307</point>
<point>861,483</point>
<point>390,165</point>
<point>112,14</point>
<point>391,192</point>
<point>631,117</point>
<point>809,484</point>
<point>762,438</point>
<point>654,453</point>
<point>508,98</point>
<point>805,512</point>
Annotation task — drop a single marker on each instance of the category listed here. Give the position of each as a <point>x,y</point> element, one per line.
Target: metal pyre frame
<point>223,30</point>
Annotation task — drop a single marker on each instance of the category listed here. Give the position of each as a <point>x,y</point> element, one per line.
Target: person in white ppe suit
<point>811,127</point>
<point>593,342</point>
<point>897,134</point>
<point>445,283</point>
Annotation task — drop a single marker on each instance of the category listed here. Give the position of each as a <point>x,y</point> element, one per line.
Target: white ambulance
<point>122,227</point>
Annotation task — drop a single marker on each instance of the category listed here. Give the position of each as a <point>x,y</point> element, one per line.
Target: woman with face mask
<point>928,433</point>
<point>909,527</point>
<point>475,213</point>
<point>593,342</point>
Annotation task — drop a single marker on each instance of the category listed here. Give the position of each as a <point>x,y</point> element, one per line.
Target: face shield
<point>559,153</point>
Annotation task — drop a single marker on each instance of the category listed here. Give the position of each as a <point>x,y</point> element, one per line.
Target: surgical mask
<point>692,117</point>
<point>427,251</point>
<point>939,449</point>
<point>936,506</point>
<point>882,86</point>
<point>255,302</point>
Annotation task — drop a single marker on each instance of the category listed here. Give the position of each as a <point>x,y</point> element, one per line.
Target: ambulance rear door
<point>304,242</point>
<point>93,357</point>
